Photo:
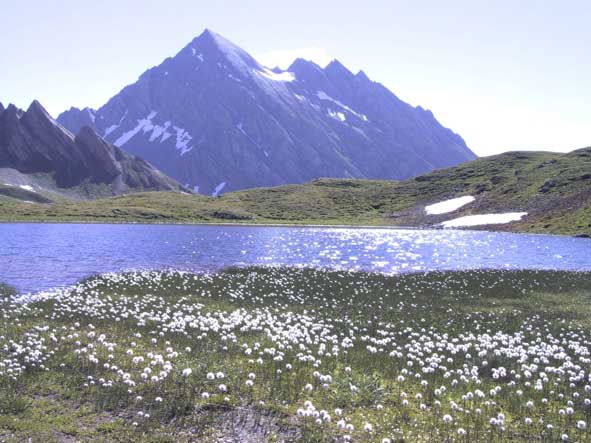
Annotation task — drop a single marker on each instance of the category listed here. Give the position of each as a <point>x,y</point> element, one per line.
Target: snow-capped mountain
<point>216,120</point>
<point>40,155</point>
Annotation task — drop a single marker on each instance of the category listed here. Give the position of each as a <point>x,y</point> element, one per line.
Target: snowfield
<point>278,77</point>
<point>145,125</point>
<point>447,206</point>
<point>484,219</point>
<point>324,96</point>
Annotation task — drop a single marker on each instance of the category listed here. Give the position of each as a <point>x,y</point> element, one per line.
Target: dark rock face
<point>215,119</point>
<point>33,142</point>
<point>75,119</point>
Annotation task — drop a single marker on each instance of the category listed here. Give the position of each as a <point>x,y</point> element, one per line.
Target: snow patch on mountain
<point>241,129</point>
<point>160,131</point>
<point>324,96</point>
<point>234,54</point>
<point>484,219</point>
<point>146,125</point>
<point>450,205</point>
<point>113,127</point>
<point>110,129</point>
<point>197,54</point>
<point>284,76</point>
<point>165,136</point>
<point>182,140</point>
<point>218,189</point>
<point>336,115</point>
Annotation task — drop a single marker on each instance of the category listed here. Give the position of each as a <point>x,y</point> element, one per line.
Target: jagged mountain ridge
<point>37,149</point>
<point>214,118</point>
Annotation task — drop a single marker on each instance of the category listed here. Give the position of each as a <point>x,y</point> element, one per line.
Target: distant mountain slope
<point>215,119</point>
<point>39,156</point>
<point>554,189</point>
<point>75,119</point>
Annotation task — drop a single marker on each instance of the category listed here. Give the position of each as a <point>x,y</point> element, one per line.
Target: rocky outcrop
<point>32,142</point>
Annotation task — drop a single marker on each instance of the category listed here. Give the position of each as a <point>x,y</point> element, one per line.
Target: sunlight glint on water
<point>42,256</point>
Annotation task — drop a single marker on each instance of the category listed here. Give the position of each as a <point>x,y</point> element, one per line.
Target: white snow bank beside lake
<point>483,219</point>
<point>448,205</point>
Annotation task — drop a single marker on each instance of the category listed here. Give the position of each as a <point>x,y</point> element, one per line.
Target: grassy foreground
<point>269,355</point>
<point>554,189</point>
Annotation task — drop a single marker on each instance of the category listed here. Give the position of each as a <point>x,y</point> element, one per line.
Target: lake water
<point>40,256</point>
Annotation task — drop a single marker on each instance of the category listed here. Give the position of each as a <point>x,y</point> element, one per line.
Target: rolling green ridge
<point>554,189</point>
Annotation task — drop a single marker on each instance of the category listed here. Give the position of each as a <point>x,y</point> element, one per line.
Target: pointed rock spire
<point>214,46</point>
<point>362,76</point>
<point>35,106</point>
<point>13,112</point>
<point>336,67</point>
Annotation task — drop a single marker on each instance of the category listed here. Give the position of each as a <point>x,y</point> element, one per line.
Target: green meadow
<point>299,355</point>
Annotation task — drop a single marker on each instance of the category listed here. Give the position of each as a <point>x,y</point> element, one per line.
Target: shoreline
<point>39,294</point>
<point>237,224</point>
<point>284,225</point>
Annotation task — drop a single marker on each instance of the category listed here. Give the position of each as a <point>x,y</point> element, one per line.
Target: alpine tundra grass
<point>278,354</point>
<point>554,190</point>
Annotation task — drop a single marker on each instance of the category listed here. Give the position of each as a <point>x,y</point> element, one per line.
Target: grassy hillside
<point>555,190</point>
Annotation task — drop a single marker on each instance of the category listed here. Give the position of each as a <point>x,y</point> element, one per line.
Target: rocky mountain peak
<point>217,120</point>
<point>39,121</point>
<point>217,49</point>
<point>35,110</point>
<point>336,68</point>
<point>12,112</point>
<point>306,70</point>
<point>362,76</point>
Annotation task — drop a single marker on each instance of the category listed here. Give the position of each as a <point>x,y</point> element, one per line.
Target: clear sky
<point>503,74</point>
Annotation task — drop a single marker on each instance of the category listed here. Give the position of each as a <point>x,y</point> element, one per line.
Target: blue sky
<point>503,74</point>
